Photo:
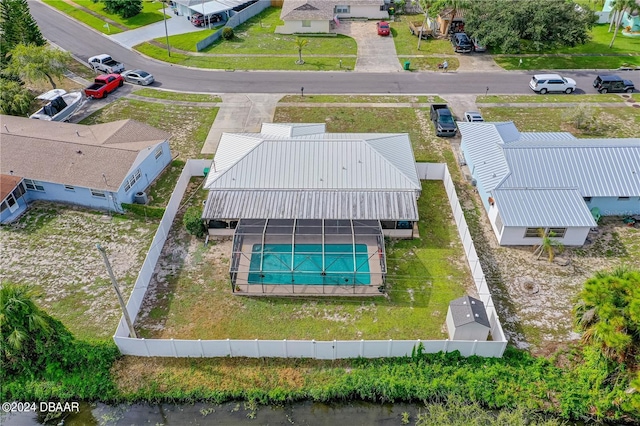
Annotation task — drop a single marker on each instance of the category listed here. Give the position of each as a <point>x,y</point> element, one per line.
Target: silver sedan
<point>138,77</point>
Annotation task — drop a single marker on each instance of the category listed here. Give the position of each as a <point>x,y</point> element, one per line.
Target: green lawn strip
<point>407,44</point>
<point>429,63</point>
<point>608,97</point>
<point>186,41</point>
<point>82,16</point>
<point>565,62</point>
<point>72,284</point>
<point>355,99</point>
<point>188,125</point>
<point>613,122</point>
<point>177,96</point>
<point>636,97</point>
<point>161,189</point>
<point>346,120</point>
<point>151,12</point>
<point>248,63</point>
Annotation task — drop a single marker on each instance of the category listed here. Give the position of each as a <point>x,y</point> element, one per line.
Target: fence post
<point>201,348</point>
<point>313,342</point>
<point>362,347</point>
<point>473,348</point>
<point>335,348</point>
<point>286,353</point>
<point>146,346</point>
<point>389,348</point>
<point>258,348</point>
<point>173,348</point>
<point>446,346</point>
<point>229,347</point>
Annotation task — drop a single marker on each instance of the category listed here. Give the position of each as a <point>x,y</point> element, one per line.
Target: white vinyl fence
<point>335,349</point>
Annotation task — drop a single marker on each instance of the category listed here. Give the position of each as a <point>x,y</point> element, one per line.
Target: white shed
<point>467,319</point>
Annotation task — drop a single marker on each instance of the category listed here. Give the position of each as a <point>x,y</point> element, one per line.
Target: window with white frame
<point>557,232</point>
<point>69,188</point>
<point>342,9</point>
<point>132,180</point>
<point>531,233</point>
<point>306,24</point>
<point>33,185</point>
<point>98,194</point>
<point>158,153</point>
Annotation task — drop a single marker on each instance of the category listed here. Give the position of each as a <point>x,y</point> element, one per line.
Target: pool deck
<point>245,289</point>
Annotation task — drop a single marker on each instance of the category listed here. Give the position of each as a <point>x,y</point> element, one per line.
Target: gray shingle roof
<point>467,310</point>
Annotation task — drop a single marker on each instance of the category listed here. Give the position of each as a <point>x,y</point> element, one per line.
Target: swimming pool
<point>276,264</point>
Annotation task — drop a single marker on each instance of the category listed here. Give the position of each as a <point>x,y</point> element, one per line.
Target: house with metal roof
<point>316,16</point>
<point>549,181</point>
<point>99,166</point>
<point>223,9</point>
<point>312,206</point>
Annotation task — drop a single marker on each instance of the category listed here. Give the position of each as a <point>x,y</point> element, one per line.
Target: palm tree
<point>620,7</point>
<point>300,44</point>
<point>548,245</point>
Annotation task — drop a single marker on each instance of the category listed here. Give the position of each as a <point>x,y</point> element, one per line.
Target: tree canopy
<point>17,26</point>
<point>124,8</point>
<point>34,63</point>
<point>515,25</point>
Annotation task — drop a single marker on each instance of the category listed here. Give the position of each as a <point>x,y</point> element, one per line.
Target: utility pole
<point>166,32</point>
<point>132,331</point>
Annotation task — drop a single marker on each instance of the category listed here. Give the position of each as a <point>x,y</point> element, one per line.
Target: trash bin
<point>406,65</point>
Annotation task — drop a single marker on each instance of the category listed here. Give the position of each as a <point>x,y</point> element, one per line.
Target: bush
<point>193,221</point>
<point>227,33</point>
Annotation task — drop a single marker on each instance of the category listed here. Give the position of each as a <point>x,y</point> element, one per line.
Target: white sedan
<point>138,77</point>
<point>473,116</point>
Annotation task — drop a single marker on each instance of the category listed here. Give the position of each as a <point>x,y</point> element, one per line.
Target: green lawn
<point>188,125</point>
<point>82,16</point>
<point>407,44</point>
<point>608,97</point>
<point>623,122</point>
<point>565,62</point>
<point>636,97</point>
<point>177,96</point>
<point>187,41</point>
<point>160,190</point>
<point>151,12</point>
<point>249,63</point>
<point>429,63</point>
<point>601,37</point>
<point>354,99</point>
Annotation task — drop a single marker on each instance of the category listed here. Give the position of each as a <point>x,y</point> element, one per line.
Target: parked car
<point>105,63</point>
<point>544,83</point>
<point>612,83</point>
<point>443,120</point>
<point>199,20</point>
<point>473,116</point>
<point>383,28</point>
<point>477,46</point>
<point>103,85</point>
<point>461,43</point>
<point>138,77</point>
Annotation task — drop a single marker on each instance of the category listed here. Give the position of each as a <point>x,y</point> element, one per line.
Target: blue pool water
<point>306,269</point>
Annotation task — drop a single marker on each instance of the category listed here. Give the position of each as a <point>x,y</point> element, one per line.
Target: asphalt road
<point>84,43</point>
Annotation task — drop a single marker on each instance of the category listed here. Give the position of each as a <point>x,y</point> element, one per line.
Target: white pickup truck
<point>105,63</point>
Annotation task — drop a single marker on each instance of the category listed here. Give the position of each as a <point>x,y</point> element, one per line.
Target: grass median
<point>490,99</point>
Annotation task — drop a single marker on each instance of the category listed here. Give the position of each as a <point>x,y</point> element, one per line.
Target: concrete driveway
<point>375,53</point>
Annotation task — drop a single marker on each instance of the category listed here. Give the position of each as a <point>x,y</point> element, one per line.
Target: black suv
<point>461,43</point>
<point>612,83</point>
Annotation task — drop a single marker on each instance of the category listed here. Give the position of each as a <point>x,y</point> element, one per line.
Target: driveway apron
<point>375,53</point>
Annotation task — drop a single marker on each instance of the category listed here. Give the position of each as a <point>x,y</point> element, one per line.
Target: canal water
<point>229,414</point>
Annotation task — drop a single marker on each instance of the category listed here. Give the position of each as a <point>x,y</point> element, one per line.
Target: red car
<point>383,28</point>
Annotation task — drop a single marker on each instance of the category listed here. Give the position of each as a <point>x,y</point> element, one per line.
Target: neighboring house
<point>339,193</point>
<point>316,16</point>
<point>99,166</point>
<point>549,180</point>
<point>207,8</point>
<point>467,319</point>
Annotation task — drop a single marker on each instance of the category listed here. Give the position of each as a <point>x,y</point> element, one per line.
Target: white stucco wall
<point>365,11</point>
<point>292,27</point>
<point>514,236</point>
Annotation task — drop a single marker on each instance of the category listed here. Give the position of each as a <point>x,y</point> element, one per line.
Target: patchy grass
<point>177,96</point>
<point>82,16</point>
<point>188,125</point>
<point>623,122</point>
<point>424,276</point>
<point>324,63</point>
<point>565,62</point>
<point>407,43</point>
<point>429,63</point>
<point>356,99</point>
<point>78,68</point>
<point>52,248</point>
<point>489,99</point>
<point>636,97</point>
<point>426,146</point>
<point>151,12</point>
<point>161,189</point>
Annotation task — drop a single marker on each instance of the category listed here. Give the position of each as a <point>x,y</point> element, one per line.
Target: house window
<point>623,198</point>
<point>132,180</point>
<point>342,9</point>
<point>19,191</point>
<point>587,199</point>
<point>306,24</point>
<point>499,223</point>
<point>531,233</point>
<point>69,188</point>
<point>158,153</point>
<point>557,232</point>
<point>382,8</point>
<point>98,194</point>
<point>32,185</point>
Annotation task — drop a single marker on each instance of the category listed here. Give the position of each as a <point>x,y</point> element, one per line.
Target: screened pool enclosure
<point>308,257</point>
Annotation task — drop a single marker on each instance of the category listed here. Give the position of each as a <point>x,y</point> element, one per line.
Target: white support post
<point>146,346</point>
<point>335,349</point>
<point>362,347</point>
<point>473,348</point>
<point>313,342</point>
<point>173,348</point>
<point>201,348</point>
<point>229,347</point>
<point>258,348</point>
<point>389,347</point>
<point>446,346</point>
<point>284,344</point>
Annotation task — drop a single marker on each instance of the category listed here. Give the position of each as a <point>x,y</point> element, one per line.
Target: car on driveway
<point>473,116</point>
<point>138,77</point>
<point>461,43</point>
<point>545,83</point>
<point>612,83</point>
<point>383,28</point>
<point>477,46</point>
